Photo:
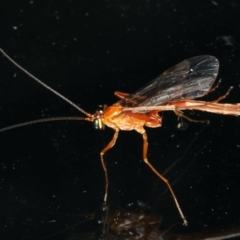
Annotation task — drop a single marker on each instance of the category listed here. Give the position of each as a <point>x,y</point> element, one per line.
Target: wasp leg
<point>212,89</point>
<point>110,145</point>
<point>180,114</point>
<point>145,150</point>
<point>223,96</point>
<point>121,95</point>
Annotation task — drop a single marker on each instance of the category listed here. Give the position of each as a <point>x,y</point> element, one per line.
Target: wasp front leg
<point>110,145</point>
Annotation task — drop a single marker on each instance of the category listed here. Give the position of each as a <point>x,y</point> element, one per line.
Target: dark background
<point>50,173</point>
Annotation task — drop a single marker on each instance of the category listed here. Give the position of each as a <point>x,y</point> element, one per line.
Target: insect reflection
<point>133,222</point>
<point>139,222</point>
<point>175,90</point>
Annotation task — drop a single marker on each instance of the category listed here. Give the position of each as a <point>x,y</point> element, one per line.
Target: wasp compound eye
<point>98,124</point>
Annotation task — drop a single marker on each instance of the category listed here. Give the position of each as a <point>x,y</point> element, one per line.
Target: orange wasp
<point>173,90</point>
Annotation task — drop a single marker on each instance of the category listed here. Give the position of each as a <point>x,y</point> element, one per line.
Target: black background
<point>50,173</point>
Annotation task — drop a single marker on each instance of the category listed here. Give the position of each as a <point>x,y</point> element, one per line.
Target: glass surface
<point>51,179</point>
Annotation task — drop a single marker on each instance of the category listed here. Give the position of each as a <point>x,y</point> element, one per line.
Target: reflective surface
<point>51,175</point>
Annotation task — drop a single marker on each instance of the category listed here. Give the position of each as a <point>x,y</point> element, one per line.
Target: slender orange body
<point>114,117</point>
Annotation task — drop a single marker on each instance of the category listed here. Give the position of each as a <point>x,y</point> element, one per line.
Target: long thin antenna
<point>44,85</point>
<point>44,120</point>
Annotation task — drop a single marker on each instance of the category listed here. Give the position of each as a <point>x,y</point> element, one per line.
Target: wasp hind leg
<point>223,96</point>
<point>213,88</point>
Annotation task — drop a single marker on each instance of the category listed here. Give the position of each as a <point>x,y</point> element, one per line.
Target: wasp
<point>174,90</point>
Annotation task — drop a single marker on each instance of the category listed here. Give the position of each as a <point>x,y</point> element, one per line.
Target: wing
<point>191,78</point>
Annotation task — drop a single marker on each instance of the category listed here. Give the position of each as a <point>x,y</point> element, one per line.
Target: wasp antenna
<point>44,120</point>
<point>44,85</point>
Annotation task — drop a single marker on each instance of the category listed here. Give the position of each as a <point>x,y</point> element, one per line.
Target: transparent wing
<point>190,79</point>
